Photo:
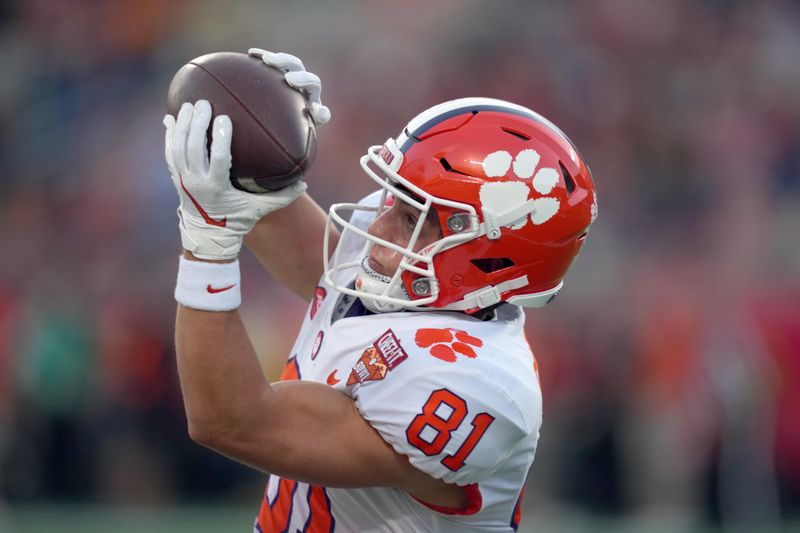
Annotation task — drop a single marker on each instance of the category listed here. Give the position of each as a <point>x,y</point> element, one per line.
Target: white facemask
<point>378,292</point>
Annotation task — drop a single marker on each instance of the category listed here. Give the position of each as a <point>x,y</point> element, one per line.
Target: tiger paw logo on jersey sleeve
<point>501,195</point>
<point>377,360</point>
<point>447,343</point>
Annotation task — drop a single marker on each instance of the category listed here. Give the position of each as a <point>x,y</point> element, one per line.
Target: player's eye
<point>411,220</point>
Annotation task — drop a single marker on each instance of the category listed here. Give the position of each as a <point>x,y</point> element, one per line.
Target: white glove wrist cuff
<point>208,286</point>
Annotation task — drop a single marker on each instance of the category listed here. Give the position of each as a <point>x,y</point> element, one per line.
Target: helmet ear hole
<point>568,181</point>
<point>488,265</point>
<point>449,168</point>
<point>517,134</point>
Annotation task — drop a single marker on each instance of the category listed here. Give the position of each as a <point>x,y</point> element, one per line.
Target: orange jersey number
<point>444,425</point>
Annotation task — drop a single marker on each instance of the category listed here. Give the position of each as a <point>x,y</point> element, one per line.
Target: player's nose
<point>382,259</point>
<point>384,227</point>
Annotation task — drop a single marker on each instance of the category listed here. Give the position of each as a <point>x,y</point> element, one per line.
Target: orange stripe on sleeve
<point>273,518</point>
<point>320,519</point>
<point>291,372</point>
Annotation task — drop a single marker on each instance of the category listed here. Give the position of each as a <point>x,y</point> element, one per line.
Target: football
<point>274,139</point>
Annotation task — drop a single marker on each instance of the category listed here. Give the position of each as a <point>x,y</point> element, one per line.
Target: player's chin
<point>372,268</point>
<point>376,266</point>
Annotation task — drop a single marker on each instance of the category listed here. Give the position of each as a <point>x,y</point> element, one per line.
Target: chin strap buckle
<point>491,225</point>
<point>492,294</point>
<point>493,221</point>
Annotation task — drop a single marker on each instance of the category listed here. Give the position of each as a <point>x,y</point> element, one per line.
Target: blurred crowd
<point>670,364</point>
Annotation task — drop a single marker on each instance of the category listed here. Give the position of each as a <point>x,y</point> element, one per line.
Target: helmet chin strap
<point>371,282</point>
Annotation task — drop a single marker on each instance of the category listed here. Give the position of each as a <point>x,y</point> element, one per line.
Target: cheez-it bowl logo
<point>370,367</point>
<point>377,360</point>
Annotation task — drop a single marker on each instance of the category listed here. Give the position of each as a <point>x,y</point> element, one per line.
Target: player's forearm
<point>288,244</point>
<point>231,408</point>
<point>219,373</point>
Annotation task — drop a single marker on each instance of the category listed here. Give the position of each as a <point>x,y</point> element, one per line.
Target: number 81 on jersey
<point>444,426</point>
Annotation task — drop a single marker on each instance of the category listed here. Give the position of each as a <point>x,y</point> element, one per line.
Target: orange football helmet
<point>512,195</point>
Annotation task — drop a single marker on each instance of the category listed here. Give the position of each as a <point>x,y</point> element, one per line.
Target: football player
<point>410,401</point>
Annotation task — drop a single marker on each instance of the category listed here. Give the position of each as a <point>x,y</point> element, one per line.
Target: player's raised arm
<point>275,240</point>
<point>229,405</point>
<point>300,430</point>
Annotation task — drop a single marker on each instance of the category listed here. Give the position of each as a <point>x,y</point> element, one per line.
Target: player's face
<point>396,224</point>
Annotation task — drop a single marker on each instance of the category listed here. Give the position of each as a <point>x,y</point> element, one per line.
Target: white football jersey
<point>458,396</point>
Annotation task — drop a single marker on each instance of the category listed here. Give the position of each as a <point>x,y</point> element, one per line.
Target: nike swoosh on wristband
<point>212,290</point>
<point>219,223</point>
<point>332,378</point>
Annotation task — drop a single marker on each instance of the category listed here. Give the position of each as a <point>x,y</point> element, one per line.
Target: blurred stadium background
<point>670,364</point>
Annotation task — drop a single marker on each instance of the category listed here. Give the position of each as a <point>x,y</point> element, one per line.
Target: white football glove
<point>214,216</point>
<point>296,75</point>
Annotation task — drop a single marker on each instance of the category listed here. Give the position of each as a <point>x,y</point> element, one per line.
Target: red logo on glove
<point>219,223</point>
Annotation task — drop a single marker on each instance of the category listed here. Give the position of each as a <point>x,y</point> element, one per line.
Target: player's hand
<point>214,216</point>
<point>298,77</point>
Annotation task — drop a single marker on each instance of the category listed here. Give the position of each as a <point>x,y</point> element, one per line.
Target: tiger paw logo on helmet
<point>447,343</point>
<point>499,195</point>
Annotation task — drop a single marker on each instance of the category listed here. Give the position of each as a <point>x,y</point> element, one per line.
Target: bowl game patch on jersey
<point>384,355</point>
<point>388,346</point>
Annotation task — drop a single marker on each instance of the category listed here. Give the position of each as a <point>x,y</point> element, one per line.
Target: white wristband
<point>208,286</point>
